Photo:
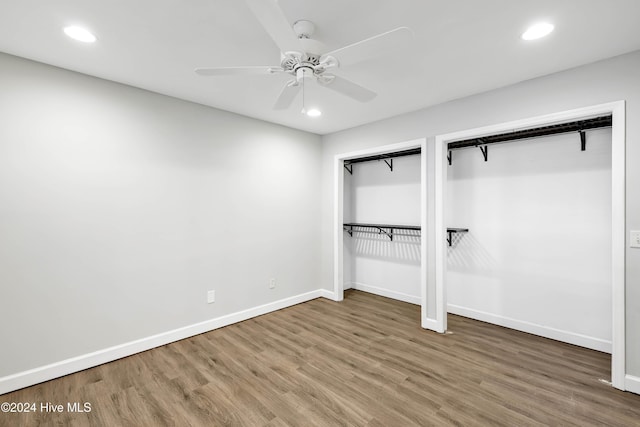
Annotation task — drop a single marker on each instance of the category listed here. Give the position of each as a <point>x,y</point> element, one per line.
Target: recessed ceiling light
<point>537,31</point>
<point>314,112</point>
<point>80,34</point>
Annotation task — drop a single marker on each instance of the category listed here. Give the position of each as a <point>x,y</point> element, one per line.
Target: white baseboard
<point>632,384</point>
<point>533,328</point>
<point>79,363</point>
<point>384,292</point>
<point>328,294</point>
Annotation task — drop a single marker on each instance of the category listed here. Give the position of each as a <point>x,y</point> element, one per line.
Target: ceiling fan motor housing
<point>294,61</point>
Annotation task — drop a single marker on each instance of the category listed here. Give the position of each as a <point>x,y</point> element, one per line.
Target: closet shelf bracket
<point>452,231</point>
<point>389,163</point>
<point>449,157</point>
<point>485,151</point>
<point>349,170</point>
<point>583,141</point>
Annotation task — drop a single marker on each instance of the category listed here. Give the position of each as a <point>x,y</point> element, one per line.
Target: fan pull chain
<point>304,110</point>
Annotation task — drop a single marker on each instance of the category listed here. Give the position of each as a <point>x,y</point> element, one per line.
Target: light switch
<point>635,239</point>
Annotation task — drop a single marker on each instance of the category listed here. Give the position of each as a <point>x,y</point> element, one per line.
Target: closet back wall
<point>376,195</point>
<point>538,254</point>
<point>121,208</point>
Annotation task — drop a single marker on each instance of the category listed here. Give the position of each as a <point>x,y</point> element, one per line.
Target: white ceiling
<point>460,47</point>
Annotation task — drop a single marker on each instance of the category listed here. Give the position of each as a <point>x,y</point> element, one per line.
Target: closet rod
<point>577,126</point>
<point>384,156</point>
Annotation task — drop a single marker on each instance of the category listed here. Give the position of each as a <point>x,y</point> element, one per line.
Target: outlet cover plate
<point>211,297</point>
<point>635,239</point>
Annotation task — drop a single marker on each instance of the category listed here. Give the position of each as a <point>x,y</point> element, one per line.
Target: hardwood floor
<point>362,362</point>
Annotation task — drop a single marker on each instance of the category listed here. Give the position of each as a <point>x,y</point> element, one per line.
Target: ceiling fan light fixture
<point>80,34</point>
<point>537,31</point>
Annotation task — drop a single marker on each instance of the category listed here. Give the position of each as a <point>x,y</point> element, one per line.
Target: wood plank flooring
<point>362,362</point>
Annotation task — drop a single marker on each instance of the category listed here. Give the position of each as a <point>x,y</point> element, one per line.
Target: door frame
<point>618,226</point>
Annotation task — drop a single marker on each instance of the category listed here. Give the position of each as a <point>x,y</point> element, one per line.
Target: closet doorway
<point>617,236</point>
<point>413,234</point>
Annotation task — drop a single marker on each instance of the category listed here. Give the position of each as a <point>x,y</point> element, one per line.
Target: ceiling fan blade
<point>371,47</point>
<point>275,23</point>
<point>287,95</point>
<point>237,71</point>
<point>347,87</point>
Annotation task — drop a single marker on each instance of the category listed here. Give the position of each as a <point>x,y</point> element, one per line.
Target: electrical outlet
<point>635,239</point>
<point>272,283</point>
<point>211,297</point>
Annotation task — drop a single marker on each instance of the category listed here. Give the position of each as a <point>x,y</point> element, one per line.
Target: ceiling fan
<point>304,58</point>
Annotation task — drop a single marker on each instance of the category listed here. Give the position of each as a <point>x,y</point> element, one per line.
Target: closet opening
<point>380,219</point>
<point>545,209</point>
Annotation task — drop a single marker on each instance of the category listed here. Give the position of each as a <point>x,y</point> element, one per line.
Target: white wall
<point>605,81</point>
<point>375,194</point>
<point>120,208</point>
<point>537,256</point>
